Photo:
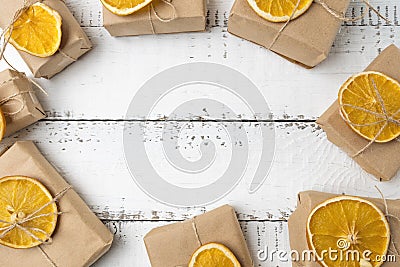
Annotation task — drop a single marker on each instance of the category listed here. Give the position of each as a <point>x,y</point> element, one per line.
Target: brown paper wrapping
<point>381,160</point>
<point>14,83</point>
<point>308,200</point>
<point>173,245</point>
<point>74,41</point>
<point>306,40</point>
<point>80,237</point>
<point>190,17</point>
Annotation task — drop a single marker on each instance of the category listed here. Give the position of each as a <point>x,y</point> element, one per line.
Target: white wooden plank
<point>128,247</point>
<point>102,83</point>
<point>90,156</point>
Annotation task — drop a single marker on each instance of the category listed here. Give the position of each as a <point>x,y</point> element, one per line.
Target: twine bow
<point>334,13</point>
<point>164,20</point>
<point>386,119</point>
<point>34,215</point>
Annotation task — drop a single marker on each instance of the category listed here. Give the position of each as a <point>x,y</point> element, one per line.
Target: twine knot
<point>18,219</point>
<point>384,116</point>
<point>164,20</point>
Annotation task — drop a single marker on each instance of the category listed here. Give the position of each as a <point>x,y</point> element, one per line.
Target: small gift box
<point>380,159</point>
<point>18,101</point>
<point>308,200</point>
<point>74,42</point>
<point>173,245</point>
<point>305,40</point>
<point>80,237</point>
<point>159,17</point>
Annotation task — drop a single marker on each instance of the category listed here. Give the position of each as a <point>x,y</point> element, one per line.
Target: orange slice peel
<point>347,223</point>
<point>213,255</point>
<point>2,125</point>
<point>124,7</point>
<point>280,10</point>
<point>28,214</point>
<point>37,31</point>
<point>370,104</point>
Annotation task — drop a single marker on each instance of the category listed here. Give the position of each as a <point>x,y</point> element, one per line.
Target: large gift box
<point>308,200</point>
<point>306,40</point>
<point>18,101</point>
<point>173,245</point>
<point>80,237</point>
<point>159,17</point>
<point>74,42</point>
<point>380,159</point>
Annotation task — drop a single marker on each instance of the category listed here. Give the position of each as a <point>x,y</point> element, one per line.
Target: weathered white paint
<point>83,133</point>
<point>90,156</point>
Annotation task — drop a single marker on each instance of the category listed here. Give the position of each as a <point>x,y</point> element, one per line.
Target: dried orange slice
<point>37,31</point>
<point>365,98</point>
<point>213,255</point>
<point>279,10</point>
<point>25,220</point>
<point>2,125</point>
<point>124,7</point>
<point>349,225</point>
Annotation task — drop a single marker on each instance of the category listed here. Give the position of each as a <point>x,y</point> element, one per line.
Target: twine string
<point>386,118</point>
<point>5,37</point>
<point>388,215</point>
<point>53,264</point>
<point>7,31</point>
<point>334,13</point>
<point>14,97</point>
<point>34,215</point>
<point>11,98</point>
<point>284,25</point>
<point>164,20</point>
<point>194,226</point>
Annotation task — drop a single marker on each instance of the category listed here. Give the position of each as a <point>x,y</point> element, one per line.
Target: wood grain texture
<point>87,103</point>
<point>90,156</point>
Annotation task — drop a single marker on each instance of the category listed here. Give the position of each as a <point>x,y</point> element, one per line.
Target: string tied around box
<point>34,215</point>
<point>152,10</point>
<point>15,97</point>
<point>5,36</point>
<point>389,216</point>
<point>194,227</point>
<point>385,118</point>
<point>331,11</point>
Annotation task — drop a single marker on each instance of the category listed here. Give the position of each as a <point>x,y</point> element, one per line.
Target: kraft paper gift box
<point>74,42</point>
<point>306,40</point>
<point>308,200</point>
<point>381,159</point>
<point>18,101</point>
<point>173,245</point>
<point>80,237</point>
<point>190,16</point>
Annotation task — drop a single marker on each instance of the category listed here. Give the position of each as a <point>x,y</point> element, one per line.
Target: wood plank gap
<point>177,120</point>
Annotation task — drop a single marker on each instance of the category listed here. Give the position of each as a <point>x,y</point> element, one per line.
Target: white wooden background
<point>87,103</point>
